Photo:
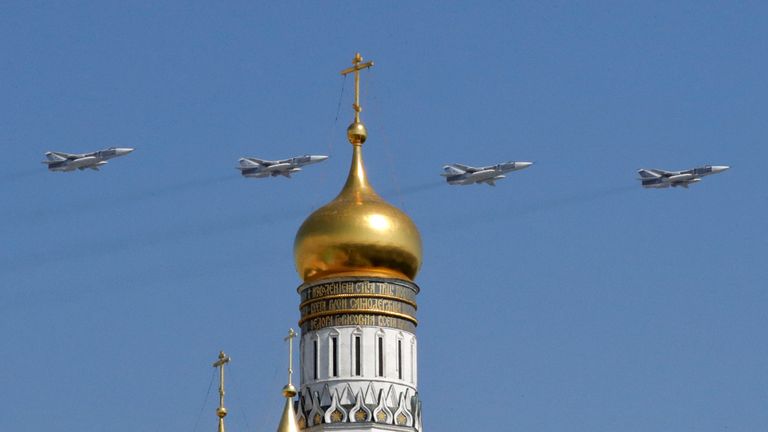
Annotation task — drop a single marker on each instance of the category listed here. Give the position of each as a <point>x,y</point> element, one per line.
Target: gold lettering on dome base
<point>379,303</point>
<point>396,309</point>
<point>358,311</point>
<point>381,296</point>
<point>357,304</point>
<point>357,320</point>
<point>317,307</point>
<point>379,288</point>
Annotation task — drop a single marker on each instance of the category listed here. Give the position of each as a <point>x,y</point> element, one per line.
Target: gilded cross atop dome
<point>289,390</point>
<point>356,133</point>
<point>221,412</point>
<point>358,65</point>
<point>288,421</point>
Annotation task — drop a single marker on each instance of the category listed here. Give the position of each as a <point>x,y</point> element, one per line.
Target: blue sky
<point>566,298</point>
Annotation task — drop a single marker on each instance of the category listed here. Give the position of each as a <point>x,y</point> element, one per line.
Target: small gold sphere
<point>356,133</point>
<point>221,412</point>
<point>289,390</point>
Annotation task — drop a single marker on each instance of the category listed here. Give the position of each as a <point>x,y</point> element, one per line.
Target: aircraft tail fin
<point>247,163</point>
<point>647,174</point>
<point>450,170</point>
<point>52,157</point>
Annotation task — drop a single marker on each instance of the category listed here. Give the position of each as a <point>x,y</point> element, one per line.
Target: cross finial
<point>221,412</point>
<point>358,65</point>
<point>289,338</point>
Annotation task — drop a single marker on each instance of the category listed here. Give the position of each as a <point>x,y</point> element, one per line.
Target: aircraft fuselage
<point>660,179</point>
<point>63,162</point>
<point>475,177</point>
<point>462,175</point>
<point>258,168</point>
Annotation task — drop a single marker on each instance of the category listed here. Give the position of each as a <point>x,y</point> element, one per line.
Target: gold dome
<point>357,234</point>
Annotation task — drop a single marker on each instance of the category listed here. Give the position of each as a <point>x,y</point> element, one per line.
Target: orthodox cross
<point>221,412</point>
<point>358,65</point>
<point>289,338</point>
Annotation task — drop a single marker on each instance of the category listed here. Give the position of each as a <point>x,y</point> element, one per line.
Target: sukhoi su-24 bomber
<point>259,168</point>
<point>657,178</point>
<point>458,174</point>
<point>58,161</point>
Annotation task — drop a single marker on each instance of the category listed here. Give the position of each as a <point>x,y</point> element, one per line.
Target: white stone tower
<point>358,256</point>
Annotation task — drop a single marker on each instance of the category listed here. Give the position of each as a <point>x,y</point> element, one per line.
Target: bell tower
<point>358,256</point>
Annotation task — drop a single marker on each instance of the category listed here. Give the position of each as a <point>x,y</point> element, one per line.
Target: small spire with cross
<point>288,420</point>
<point>221,412</point>
<point>289,390</point>
<point>356,131</point>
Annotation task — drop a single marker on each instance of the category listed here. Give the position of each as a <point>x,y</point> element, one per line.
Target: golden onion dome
<point>358,233</point>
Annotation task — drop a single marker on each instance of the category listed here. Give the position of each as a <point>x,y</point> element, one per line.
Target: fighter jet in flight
<point>656,178</point>
<point>259,168</point>
<point>58,161</point>
<point>458,174</point>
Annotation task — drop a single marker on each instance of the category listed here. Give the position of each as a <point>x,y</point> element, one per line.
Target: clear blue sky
<point>565,299</point>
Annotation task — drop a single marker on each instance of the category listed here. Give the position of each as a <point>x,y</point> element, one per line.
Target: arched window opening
<point>380,349</point>
<point>358,354</point>
<point>315,359</point>
<point>335,355</point>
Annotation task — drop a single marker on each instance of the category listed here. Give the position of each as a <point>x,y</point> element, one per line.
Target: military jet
<point>259,168</point>
<point>656,178</point>
<point>58,161</point>
<point>458,174</point>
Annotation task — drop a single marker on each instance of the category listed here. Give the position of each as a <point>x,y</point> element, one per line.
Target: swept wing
<point>465,168</point>
<point>54,157</point>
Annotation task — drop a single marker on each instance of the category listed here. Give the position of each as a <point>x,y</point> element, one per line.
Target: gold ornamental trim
<point>358,303</point>
<point>358,319</point>
<point>358,311</point>
<point>381,296</point>
<point>358,286</point>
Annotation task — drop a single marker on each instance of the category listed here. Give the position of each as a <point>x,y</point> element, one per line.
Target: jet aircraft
<point>259,168</point>
<point>458,174</point>
<point>657,179</point>
<point>58,161</point>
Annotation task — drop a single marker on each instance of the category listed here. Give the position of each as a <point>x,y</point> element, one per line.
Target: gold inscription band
<point>356,311</point>
<point>357,320</point>
<point>359,306</point>
<point>358,301</point>
<point>379,296</point>
<point>325,289</point>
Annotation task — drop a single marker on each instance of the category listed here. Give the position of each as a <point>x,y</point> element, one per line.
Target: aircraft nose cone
<point>720,168</point>
<point>124,150</point>
<point>318,158</point>
<point>521,165</point>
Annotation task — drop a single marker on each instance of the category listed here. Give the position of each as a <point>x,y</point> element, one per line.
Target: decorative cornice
<point>399,408</point>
